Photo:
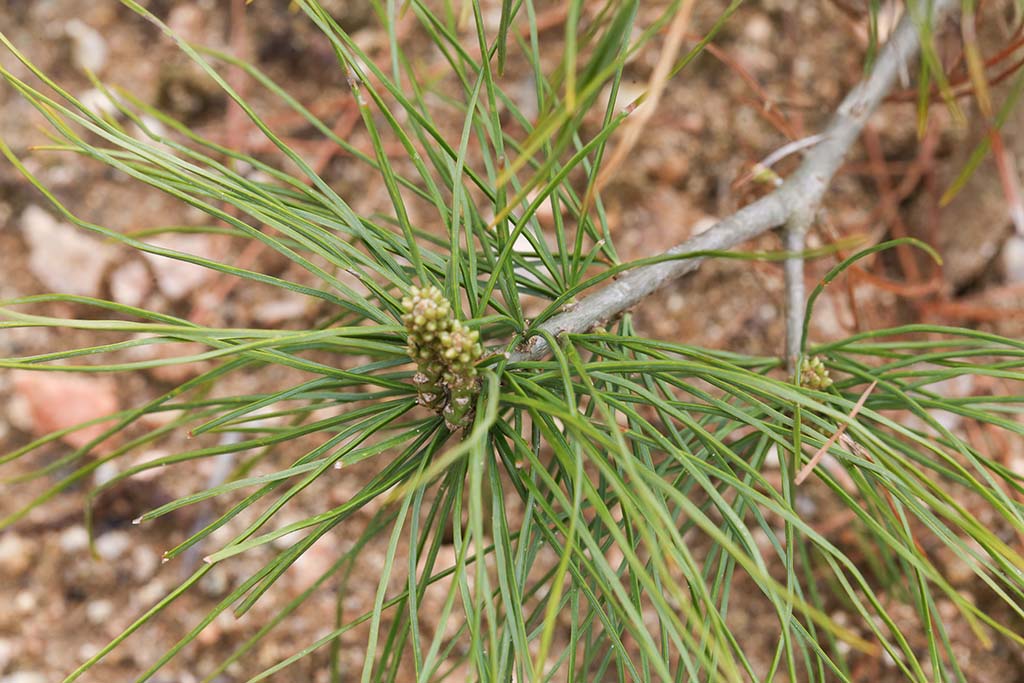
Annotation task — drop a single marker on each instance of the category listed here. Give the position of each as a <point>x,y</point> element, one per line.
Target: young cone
<point>445,351</point>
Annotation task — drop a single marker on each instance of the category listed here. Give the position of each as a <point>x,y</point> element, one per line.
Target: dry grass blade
<point>816,458</point>
<point>635,125</point>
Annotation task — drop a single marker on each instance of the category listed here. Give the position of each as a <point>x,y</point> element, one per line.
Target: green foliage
<point>604,504</point>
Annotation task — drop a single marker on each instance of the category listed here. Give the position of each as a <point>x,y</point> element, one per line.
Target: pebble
<point>25,602</point>
<point>215,584</point>
<point>15,555</point>
<point>131,283</point>
<point>6,652</point>
<point>99,102</point>
<point>758,29</point>
<point>283,310</point>
<point>25,677</point>
<point>54,401</point>
<point>18,414</point>
<point>82,257</point>
<point>150,594</point>
<point>1016,465</point>
<point>74,539</point>
<point>177,279</point>
<point>105,472</point>
<point>145,562</point>
<point>87,650</point>
<point>188,21</point>
<point>99,611</point>
<point>89,49</point>
<point>1013,259</point>
<point>113,544</point>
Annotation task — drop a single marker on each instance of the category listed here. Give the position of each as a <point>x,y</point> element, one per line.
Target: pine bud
<point>446,352</point>
<point>814,374</point>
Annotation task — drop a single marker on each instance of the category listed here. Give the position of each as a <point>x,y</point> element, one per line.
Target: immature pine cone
<point>814,374</point>
<point>427,316</point>
<point>445,351</point>
<point>461,350</point>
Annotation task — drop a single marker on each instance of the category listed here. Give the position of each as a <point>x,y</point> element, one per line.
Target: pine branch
<point>794,202</point>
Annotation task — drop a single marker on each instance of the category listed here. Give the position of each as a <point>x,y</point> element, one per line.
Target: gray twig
<point>795,200</point>
<point>794,237</point>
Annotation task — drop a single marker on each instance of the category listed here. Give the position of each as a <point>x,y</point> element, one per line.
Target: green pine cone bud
<point>446,352</point>
<point>814,374</point>
<point>461,348</point>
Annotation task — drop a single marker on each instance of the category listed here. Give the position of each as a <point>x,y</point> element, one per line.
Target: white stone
<point>24,677</point>
<point>99,611</point>
<point>7,650</point>
<point>15,555</point>
<point>113,544</point>
<point>145,562</point>
<point>131,283</point>
<point>89,49</point>
<point>177,279</point>
<point>19,413</point>
<point>1013,259</point>
<point>105,472</point>
<point>99,102</point>
<point>277,311</point>
<point>74,539</point>
<point>25,601</point>
<point>758,29</point>
<point>64,258</point>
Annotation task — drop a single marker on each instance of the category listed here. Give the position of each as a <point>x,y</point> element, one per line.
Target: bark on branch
<point>799,196</point>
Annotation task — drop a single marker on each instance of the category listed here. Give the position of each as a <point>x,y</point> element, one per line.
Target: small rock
<point>99,611</point>
<point>25,602</point>
<point>19,413</point>
<point>149,594</point>
<point>15,555</point>
<point>279,311</point>
<point>113,544</point>
<point>60,400</point>
<point>1013,259</point>
<point>312,564</point>
<point>805,507</point>
<point>145,562</point>
<point>6,652</point>
<point>24,677</point>
<point>956,568</point>
<point>1016,465</point>
<point>89,49</point>
<point>177,279</point>
<point>758,29</point>
<point>131,283</point>
<point>215,584</point>
<point>74,539</point>
<point>100,102</point>
<point>63,257</point>
<point>188,21</point>
<point>105,472</point>
<point>88,650</point>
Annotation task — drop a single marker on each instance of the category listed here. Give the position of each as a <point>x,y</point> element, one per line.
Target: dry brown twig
<point>793,205</point>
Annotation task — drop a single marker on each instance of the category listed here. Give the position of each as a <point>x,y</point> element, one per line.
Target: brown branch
<point>800,195</point>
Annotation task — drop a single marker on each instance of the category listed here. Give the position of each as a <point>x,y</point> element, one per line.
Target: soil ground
<point>59,604</point>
